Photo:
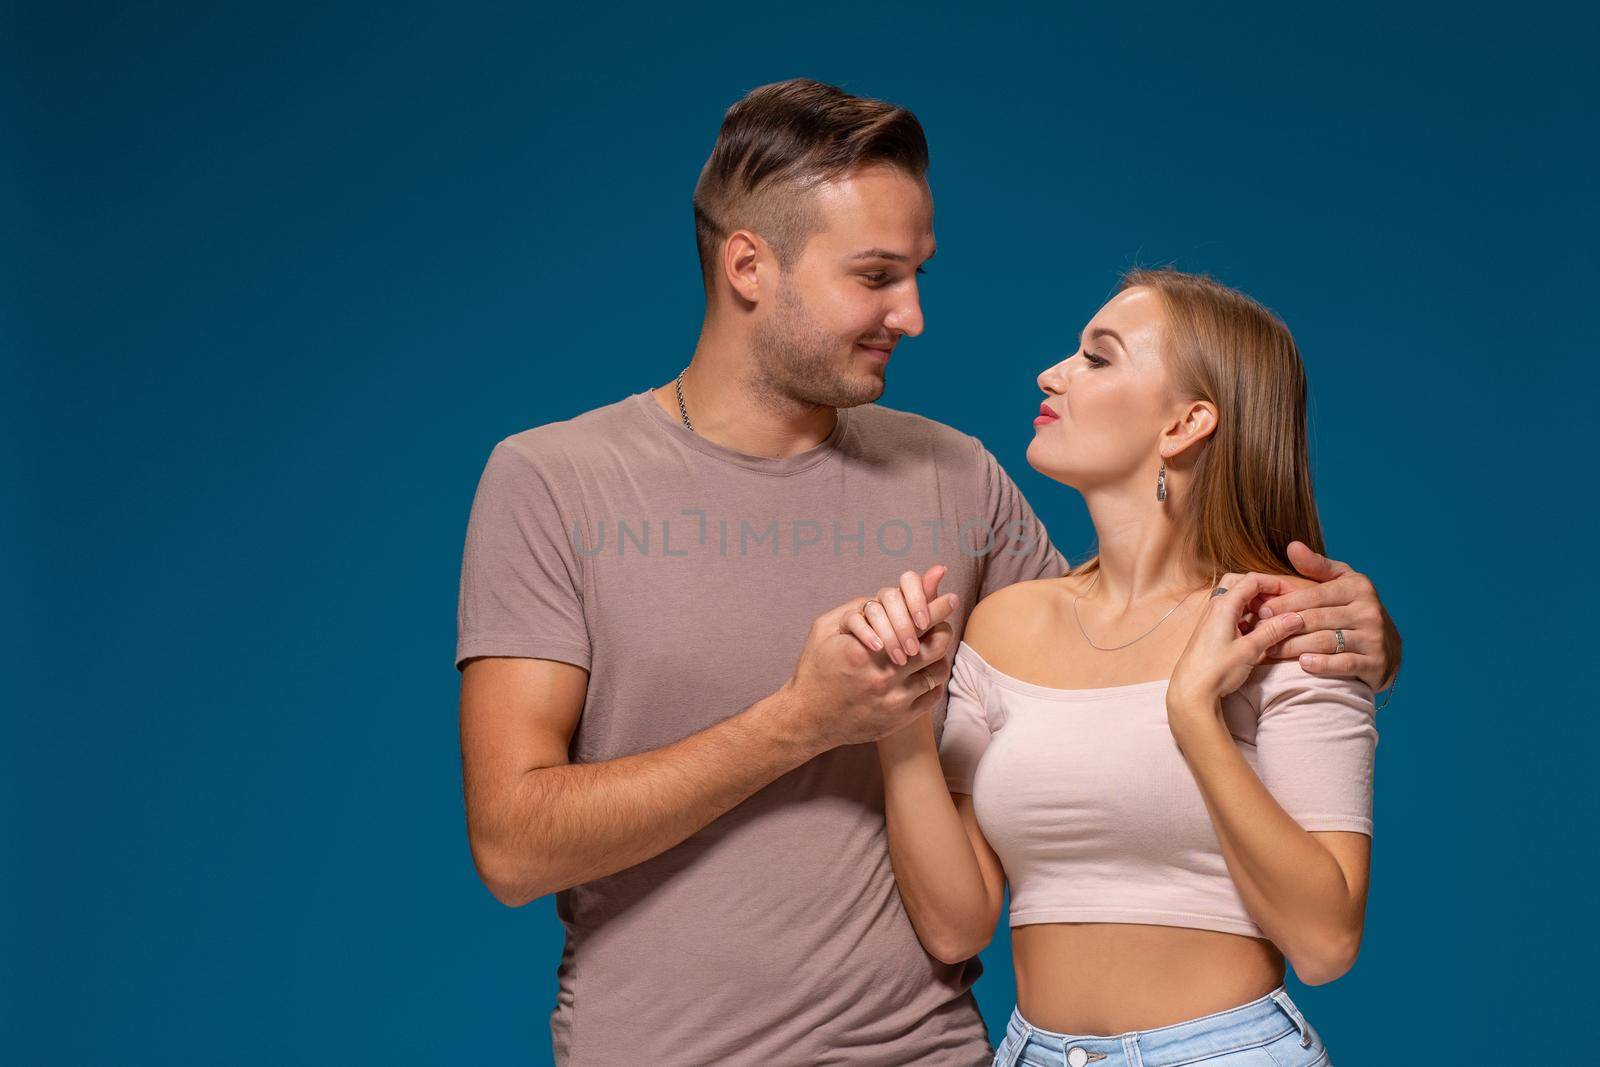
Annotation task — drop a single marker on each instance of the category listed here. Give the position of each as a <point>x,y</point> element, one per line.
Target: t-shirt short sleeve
<point>521,576</point>
<point>1316,738</point>
<point>1020,549</point>
<point>966,724</point>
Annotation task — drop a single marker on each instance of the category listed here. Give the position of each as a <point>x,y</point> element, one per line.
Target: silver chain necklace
<point>1141,637</point>
<point>678,387</point>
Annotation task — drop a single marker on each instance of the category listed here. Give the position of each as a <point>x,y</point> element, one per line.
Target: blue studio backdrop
<point>278,276</point>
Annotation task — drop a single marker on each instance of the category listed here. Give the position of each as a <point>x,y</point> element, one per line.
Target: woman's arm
<point>1307,891</point>
<point>950,880</point>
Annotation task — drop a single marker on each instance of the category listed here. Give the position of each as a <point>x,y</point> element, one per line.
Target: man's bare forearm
<point>565,825</point>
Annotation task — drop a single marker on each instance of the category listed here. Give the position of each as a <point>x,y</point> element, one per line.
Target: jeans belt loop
<point>1281,999</point>
<point>1015,1055</point>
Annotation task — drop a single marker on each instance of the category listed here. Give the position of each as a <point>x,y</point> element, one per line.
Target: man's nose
<point>906,318</point>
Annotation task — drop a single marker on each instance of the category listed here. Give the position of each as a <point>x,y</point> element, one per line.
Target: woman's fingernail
<point>877,646</point>
<point>1264,613</point>
<point>911,646</point>
<point>922,619</point>
<point>1310,661</point>
<point>1292,620</point>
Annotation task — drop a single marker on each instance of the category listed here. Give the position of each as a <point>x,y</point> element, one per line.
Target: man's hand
<point>844,693</point>
<point>1342,599</point>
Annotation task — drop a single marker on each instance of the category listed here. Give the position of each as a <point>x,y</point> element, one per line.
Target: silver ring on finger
<point>1338,641</point>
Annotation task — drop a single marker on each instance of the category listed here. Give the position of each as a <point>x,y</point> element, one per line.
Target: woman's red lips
<point>1046,413</point>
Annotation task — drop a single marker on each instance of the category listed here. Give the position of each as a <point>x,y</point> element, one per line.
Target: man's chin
<point>869,388</point>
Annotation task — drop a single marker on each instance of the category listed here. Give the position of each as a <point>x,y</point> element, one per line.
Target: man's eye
<point>877,277</point>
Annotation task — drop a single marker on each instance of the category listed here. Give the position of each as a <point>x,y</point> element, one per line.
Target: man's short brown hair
<point>778,143</point>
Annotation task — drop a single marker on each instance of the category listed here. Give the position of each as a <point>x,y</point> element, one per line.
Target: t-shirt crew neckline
<point>773,465</point>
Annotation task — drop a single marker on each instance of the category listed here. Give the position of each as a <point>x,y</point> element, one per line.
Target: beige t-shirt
<point>683,575</point>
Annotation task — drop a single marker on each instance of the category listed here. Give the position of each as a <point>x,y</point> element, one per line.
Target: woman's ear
<point>1196,421</point>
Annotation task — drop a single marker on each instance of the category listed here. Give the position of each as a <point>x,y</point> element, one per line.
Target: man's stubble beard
<point>796,361</point>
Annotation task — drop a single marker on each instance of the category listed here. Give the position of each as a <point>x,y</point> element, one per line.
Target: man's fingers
<point>1346,665</point>
<point>1315,564</point>
<point>1271,585</point>
<point>930,696</point>
<point>933,675</point>
<point>1283,585</point>
<point>1326,619</point>
<point>942,608</point>
<point>1322,642</point>
<point>1304,600</point>
<point>936,645</point>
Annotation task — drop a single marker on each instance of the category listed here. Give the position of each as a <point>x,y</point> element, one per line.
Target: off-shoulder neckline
<point>1053,693</point>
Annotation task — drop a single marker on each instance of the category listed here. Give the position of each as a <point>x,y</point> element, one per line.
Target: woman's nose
<point>1053,378</point>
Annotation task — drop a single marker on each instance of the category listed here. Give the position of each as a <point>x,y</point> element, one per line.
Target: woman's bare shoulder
<point>1007,615</point>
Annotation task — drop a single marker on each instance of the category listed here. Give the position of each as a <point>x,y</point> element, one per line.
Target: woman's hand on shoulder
<point>1219,657</point>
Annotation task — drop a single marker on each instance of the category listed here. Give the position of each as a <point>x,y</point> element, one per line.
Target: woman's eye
<point>1094,360</point>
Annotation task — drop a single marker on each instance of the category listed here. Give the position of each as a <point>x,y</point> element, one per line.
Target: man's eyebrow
<point>884,253</point>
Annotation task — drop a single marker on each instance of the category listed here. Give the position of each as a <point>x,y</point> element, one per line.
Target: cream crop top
<point>1095,815</point>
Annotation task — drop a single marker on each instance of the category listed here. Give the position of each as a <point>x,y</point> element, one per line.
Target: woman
<point>1175,813</point>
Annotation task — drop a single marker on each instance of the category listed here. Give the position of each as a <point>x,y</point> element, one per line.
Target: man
<point>663,721</point>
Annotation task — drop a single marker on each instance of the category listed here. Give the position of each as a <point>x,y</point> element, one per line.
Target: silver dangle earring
<point>1161,482</point>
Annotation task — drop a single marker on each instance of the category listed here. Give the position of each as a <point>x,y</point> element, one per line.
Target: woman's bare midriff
<point>1109,978</point>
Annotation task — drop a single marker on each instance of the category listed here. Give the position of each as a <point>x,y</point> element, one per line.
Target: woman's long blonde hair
<point>1250,494</point>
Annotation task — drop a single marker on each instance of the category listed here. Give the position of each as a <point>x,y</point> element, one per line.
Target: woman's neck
<point>1141,549</point>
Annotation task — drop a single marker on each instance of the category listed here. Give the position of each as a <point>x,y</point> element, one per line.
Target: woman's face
<point>1111,397</point>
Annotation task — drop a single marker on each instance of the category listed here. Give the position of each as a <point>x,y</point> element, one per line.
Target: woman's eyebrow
<point>1105,331</point>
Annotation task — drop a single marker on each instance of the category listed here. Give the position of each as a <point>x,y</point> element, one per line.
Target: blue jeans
<point>1269,1032</point>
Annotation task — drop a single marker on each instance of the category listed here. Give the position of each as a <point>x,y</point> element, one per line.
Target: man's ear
<point>1195,422</point>
<point>746,261</point>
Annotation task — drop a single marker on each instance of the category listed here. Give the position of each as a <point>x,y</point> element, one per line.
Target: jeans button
<point>1076,1057</point>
